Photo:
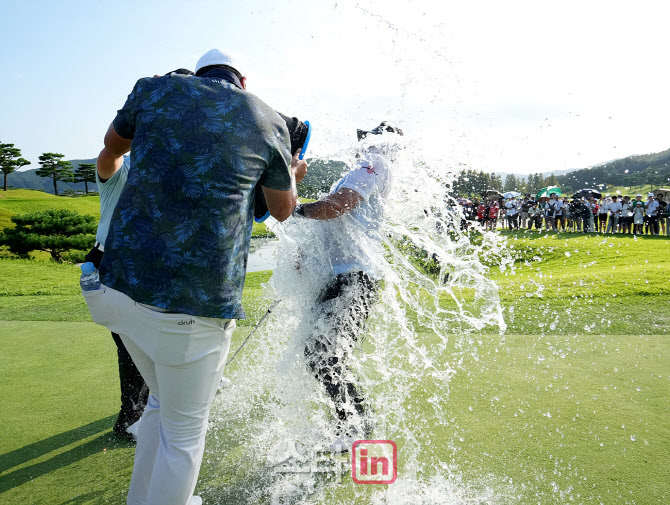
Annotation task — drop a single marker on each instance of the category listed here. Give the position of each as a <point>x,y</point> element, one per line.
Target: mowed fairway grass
<point>571,405</point>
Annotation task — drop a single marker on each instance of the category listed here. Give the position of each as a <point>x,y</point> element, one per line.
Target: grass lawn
<point>570,406</point>
<point>594,283</point>
<point>633,190</point>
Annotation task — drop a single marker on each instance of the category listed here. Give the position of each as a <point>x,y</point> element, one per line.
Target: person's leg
<point>186,397</point>
<point>149,433</point>
<point>134,391</point>
<point>172,432</point>
<point>344,306</point>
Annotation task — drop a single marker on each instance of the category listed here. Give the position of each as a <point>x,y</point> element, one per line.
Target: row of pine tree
<point>52,166</point>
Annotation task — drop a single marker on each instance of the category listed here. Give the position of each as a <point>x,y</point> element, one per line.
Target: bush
<point>53,231</point>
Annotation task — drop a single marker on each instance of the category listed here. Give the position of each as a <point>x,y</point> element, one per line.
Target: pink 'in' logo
<point>374,462</point>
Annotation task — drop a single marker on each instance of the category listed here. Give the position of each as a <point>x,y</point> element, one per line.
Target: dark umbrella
<point>492,193</point>
<point>588,193</point>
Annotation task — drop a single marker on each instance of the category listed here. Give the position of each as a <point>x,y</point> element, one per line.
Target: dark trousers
<point>535,220</point>
<point>342,309</point>
<point>134,391</point>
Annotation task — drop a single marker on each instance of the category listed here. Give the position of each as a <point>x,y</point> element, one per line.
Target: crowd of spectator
<point>613,214</point>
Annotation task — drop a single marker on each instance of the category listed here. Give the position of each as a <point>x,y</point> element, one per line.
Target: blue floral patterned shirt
<point>179,236</point>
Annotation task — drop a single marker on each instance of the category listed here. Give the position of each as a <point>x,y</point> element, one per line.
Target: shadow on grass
<point>84,498</point>
<point>43,447</point>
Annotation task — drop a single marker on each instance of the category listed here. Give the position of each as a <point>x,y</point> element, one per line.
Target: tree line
<point>472,184</point>
<point>52,166</point>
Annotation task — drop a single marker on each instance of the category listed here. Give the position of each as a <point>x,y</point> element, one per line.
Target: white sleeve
<point>365,178</point>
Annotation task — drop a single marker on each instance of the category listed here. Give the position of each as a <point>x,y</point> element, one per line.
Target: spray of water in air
<point>433,298</point>
<point>272,428</point>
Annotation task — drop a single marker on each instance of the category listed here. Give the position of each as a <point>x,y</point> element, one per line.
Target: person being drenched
<point>350,216</point>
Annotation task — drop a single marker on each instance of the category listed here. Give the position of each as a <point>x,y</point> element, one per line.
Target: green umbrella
<point>546,192</point>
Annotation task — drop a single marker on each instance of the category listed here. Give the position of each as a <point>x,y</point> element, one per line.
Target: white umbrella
<point>511,194</point>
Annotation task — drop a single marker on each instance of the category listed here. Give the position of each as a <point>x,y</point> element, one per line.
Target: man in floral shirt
<point>176,251</point>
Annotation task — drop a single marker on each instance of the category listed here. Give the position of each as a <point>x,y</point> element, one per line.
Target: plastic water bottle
<point>90,280</point>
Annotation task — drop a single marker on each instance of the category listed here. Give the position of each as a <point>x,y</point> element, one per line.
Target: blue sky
<point>516,86</point>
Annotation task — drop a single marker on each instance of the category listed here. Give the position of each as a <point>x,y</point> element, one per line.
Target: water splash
<point>433,301</point>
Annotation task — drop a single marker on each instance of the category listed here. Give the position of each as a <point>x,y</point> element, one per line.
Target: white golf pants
<point>181,358</point>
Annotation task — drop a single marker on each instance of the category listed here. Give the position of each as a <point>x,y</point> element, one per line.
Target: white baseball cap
<point>218,57</point>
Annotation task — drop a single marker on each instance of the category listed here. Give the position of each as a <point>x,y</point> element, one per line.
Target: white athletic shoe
<point>195,500</point>
<point>134,429</point>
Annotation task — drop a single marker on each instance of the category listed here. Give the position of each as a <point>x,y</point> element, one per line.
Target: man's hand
<point>298,167</point>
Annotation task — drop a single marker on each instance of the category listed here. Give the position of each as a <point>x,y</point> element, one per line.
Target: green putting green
<point>571,405</point>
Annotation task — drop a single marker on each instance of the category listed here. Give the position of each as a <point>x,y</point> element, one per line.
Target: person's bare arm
<point>115,143</point>
<point>107,164</point>
<point>110,158</point>
<point>281,203</point>
<point>334,205</point>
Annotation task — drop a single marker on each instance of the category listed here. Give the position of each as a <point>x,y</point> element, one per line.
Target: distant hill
<point>631,171</point>
<point>28,179</point>
<point>635,170</point>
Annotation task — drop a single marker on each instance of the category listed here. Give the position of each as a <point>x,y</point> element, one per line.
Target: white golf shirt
<point>110,191</point>
<point>352,241</point>
<point>652,208</point>
<point>614,207</point>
